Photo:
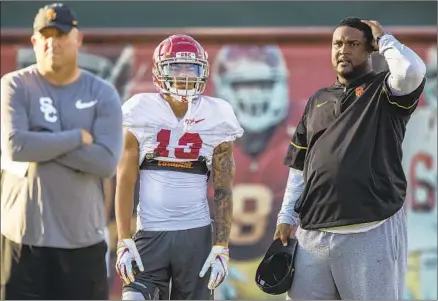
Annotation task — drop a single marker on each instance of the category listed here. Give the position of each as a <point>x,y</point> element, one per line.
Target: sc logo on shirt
<point>47,108</point>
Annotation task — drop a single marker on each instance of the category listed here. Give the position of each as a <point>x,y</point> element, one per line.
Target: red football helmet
<point>180,67</point>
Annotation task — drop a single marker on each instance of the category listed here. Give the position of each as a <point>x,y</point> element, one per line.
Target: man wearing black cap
<point>61,136</point>
<point>346,187</point>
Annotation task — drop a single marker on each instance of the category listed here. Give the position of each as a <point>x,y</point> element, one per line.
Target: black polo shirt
<point>349,146</point>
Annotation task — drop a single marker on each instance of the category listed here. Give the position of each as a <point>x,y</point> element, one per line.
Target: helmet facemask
<point>182,79</point>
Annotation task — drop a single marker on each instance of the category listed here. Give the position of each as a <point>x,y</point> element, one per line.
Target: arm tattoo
<point>223,178</point>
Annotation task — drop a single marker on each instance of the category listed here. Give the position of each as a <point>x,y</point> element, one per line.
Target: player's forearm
<point>407,69</point>
<point>127,173</point>
<point>223,211</point>
<point>124,207</point>
<point>26,146</point>
<point>223,178</point>
<point>294,188</point>
<point>124,203</point>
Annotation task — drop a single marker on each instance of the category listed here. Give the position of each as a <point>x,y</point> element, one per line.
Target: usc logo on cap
<point>51,14</point>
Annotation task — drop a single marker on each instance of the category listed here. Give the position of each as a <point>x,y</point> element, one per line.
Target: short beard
<point>357,71</point>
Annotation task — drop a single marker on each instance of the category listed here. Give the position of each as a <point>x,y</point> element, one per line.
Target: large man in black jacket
<point>346,187</point>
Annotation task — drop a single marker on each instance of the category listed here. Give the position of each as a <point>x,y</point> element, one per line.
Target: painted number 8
<point>252,206</point>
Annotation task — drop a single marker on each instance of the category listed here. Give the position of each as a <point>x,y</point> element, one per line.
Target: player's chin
<point>344,70</point>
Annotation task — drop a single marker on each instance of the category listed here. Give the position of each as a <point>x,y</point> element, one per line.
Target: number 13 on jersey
<point>189,145</point>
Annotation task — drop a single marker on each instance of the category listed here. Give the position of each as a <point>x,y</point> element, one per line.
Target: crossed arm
<point>223,178</point>
<point>101,157</point>
<point>21,144</point>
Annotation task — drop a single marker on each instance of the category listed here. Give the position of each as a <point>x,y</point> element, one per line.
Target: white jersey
<point>420,165</point>
<point>171,199</point>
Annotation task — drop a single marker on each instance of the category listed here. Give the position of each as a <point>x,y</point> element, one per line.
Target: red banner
<point>129,66</point>
<point>286,76</point>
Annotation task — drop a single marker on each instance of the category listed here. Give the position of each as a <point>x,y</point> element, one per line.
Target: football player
<point>174,139</point>
<point>254,79</point>
<point>420,165</point>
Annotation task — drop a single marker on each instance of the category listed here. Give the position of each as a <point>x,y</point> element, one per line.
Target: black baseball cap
<point>275,273</point>
<point>56,15</point>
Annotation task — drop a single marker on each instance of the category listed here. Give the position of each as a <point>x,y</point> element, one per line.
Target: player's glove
<point>218,262</point>
<point>127,253</point>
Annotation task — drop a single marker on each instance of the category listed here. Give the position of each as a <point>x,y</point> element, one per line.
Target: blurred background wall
<point>135,14</point>
<point>266,58</point>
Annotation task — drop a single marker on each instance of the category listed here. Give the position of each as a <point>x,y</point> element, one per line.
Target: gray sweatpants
<point>360,266</point>
<point>174,257</point>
